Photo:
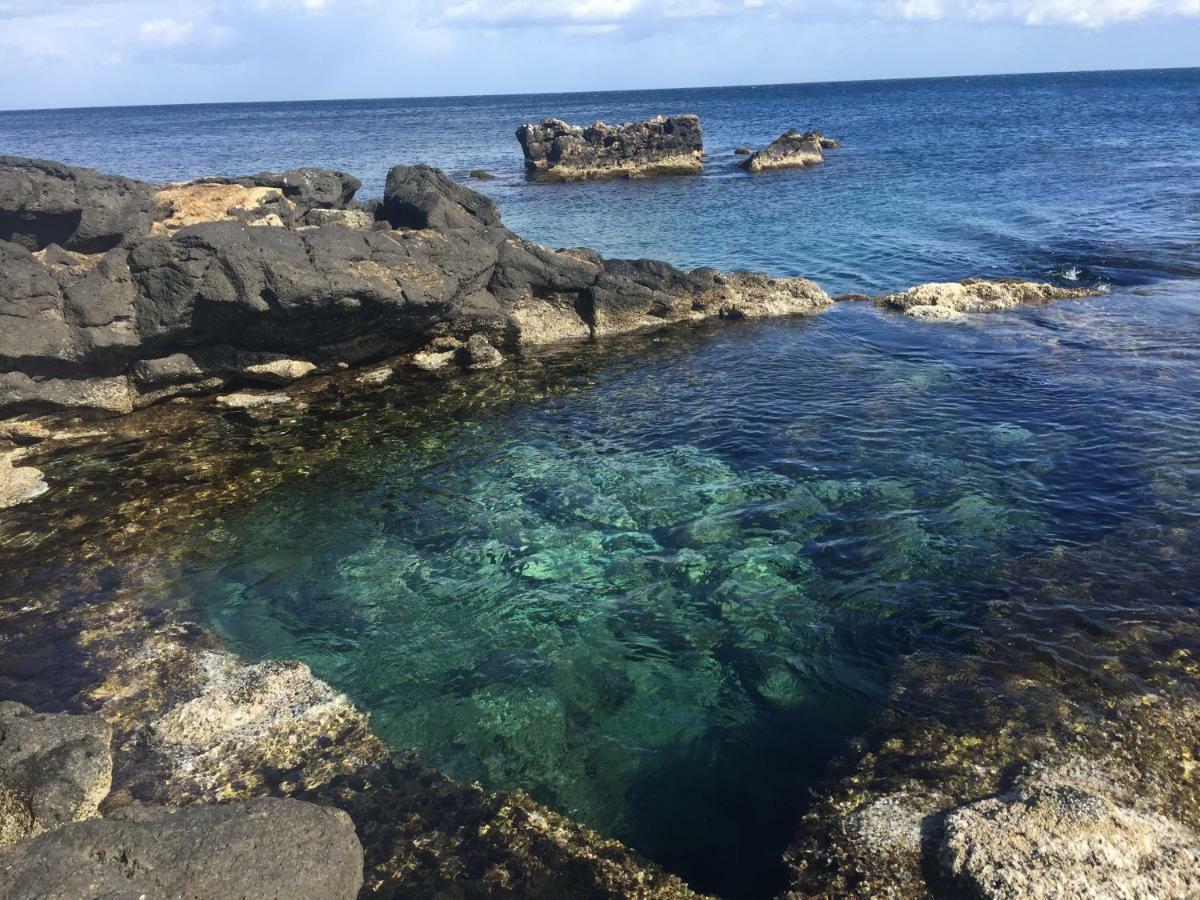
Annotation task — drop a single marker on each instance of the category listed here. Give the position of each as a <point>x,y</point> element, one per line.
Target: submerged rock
<point>948,301</point>
<point>665,145</point>
<point>791,150</point>
<point>264,848</point>
<point>18,484</point>
<point>252,401</point>
<point>481,175</point>
<point>44,203</point>
<point>54,769</point>
<point>1052,836</point>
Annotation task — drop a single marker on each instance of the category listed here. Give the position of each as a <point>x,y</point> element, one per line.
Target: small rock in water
<point>481,354</point>
<point>376,376</point>
<point>278,371</point>
<point>432,360</point>
<point>481,175</point>
<point>54,769</point>
<point>791,150</point>
<point>19,484</point>
<point>742,151</point>
<point>252,401</point>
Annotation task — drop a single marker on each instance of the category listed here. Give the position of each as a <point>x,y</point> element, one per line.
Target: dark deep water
<point>663,600</point>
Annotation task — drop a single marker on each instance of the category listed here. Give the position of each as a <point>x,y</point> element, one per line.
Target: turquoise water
<point>661,600</point>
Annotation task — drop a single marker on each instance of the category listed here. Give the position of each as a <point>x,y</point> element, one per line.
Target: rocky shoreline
<point>117,296</point>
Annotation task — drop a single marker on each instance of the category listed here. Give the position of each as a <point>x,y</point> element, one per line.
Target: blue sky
<point>107,52</point>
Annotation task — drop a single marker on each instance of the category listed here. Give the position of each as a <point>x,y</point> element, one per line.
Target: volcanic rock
<point>948,301</point>
<point>791,150</point>
<point>665,145</point>
<point>268,848</point>
<point>54,769</point>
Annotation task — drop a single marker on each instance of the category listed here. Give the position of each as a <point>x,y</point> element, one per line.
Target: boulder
<point>54,769</point>
<point>791,150</point>
<point>44,203</point>
<point>665,145</point>
<point>267,848</point>
<point>481,175</point>
<point>948,301</point>
<point>309,188</point>
<point>1054,838</point>
<point>423,197</point>
<point>19,484</point>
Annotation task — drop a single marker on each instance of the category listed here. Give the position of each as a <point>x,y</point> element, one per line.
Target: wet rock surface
<point>791,150</point>
<point>665,145</point>
<point>263,848</point>
<point>54,769</point>
<point>19,484</point>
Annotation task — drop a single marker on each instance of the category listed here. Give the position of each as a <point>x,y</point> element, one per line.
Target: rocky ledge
<point>948,301</point>
<point>791,150</point>
<point>268,279</point>
<point>665,145</point>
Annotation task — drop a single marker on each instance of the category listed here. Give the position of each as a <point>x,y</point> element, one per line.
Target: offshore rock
<point>54,769</point>
<point>665,145</point>
<point>948,301</point>
<point>791,150</point>
<point>269,848</point>
<point>1055,836</point>
<point>44,203</point>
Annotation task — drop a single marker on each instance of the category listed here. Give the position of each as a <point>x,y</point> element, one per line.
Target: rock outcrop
<point>665,145</point>
<point>1052,836</point>
<point>54,769</point>
<point>947,301</point>
<point>268,848</point>
<point>206,306</point>
<point>44,203</point>
<point>791,150</point>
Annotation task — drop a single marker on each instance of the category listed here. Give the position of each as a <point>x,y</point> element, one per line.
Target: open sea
<point>662,590</point>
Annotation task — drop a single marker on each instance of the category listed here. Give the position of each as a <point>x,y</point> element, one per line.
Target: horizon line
<point>705,87</point>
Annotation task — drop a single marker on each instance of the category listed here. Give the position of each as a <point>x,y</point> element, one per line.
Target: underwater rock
<point>278,371</point>
<point>481,175</point>
<point>252,401</point>
<point>791,150</point>
<point>263,848</point>
<point>43,203</point>
<point>376,377</point>
<point>19,484</point>
<point>54,769</point>
<point>665,145</point>
<point>1052,836</point>
<point>948,301</point>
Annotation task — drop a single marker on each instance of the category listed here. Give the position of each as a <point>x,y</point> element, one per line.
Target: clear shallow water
<point>1041,175</point>
<point>663,601</point>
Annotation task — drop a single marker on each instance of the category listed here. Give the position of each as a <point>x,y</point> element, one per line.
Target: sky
<point>56,53</point>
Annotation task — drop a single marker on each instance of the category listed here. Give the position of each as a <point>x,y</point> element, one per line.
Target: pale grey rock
<point>19,484</point>
<point>267,848</point>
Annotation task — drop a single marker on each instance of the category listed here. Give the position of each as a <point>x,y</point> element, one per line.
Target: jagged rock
<point>19,484</point>
<point>268,848</point>
<point>43,203</point>
<point>791,150</point>
<point>481,354</point>
<point>1053,836</point>
<point>481,175</point>
<point>310,188</point>
<point>950,300</point>
<point>665,145</point>
<point>208,304</point>
<point>54,769</point>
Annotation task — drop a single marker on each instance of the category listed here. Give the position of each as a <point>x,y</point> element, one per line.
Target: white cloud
<point>165,32</point>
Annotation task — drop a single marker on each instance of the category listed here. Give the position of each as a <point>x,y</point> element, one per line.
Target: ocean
<point>663,587</point>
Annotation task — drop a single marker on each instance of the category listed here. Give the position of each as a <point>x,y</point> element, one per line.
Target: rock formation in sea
<point>791,150</point>
<point>231,285</point>
<point>948,301</point>
<point>664,145</point>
